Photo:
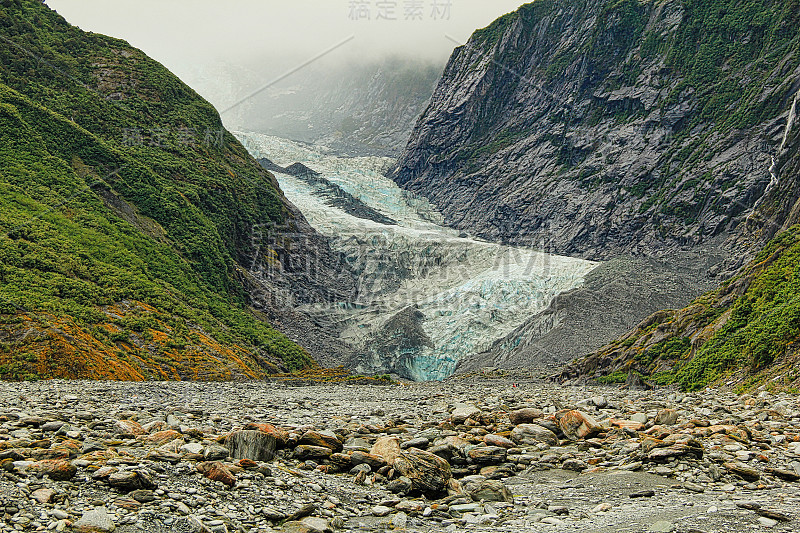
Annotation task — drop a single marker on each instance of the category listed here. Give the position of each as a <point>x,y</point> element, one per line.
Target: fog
<point>198,39</point>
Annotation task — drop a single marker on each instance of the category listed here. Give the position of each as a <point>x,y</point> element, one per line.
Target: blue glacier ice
<point>468,292</point>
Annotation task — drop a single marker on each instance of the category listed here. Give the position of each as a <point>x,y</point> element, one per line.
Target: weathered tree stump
<point>251,444</point>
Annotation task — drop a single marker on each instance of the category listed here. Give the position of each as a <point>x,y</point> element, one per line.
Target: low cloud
<point>178,32</point>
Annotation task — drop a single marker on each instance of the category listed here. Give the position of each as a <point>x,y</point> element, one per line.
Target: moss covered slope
<point>125,211</point>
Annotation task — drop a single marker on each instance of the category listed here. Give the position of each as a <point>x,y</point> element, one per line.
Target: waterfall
<point>790,121</point>
<point>773,168</point>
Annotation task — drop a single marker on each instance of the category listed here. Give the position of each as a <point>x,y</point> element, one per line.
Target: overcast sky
<point>191,36</point>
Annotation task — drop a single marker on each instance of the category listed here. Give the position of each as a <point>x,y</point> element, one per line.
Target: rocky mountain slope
<point>427,296</point>
<point>744,332</point>
<point>612,300</point>
<point>139,238</point>
<point>652,135</point>
<point>608,127</point>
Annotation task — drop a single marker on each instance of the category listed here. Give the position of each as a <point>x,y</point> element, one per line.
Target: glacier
<point>428,295</point>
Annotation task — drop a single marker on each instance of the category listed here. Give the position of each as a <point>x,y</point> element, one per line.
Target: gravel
<point>137,457</point>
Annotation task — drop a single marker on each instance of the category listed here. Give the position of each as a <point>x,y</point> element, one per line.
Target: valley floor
<point>129,455</point>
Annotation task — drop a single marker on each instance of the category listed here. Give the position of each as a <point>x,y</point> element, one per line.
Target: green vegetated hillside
<point>744,333</point>
<point>125,211</point>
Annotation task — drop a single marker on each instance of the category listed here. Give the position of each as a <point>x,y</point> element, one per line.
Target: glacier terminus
<point>428,295</point>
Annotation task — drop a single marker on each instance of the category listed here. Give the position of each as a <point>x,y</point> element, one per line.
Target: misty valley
<point>424,266</point>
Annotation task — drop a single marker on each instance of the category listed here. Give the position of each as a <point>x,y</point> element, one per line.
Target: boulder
<point>193,448</point>
<point>363,467</point>
<point>742,470</point>
<point>454,488</point>
<point>55,469</point>
<point>43,495</point>
<point>525,416</point>
<point>497,471</point>
<point>664,454</point>
<point>627,424</point>
<point>341,461</point>
<point>164,456</point>
<point>420,442</point>
<point>310,524</point>
<point>129,480</point>
<point>578,425</point>
<point>306,451</point>
<point>470,483</point>
<point>216,471</point>
<point>374,461</point>
<point>103,473</point>
<point>412,507</point>
<point>463,411</point>
<point>786,475</point>
<point>400,521</point>
<point>162,437</point>
<point>281,435</point>
<point>326,439</point>
<point>576,465</point>
<point>401,485</point>
<point>487,455</point>
<point>95,521</point>
<point>445,451</point>
<point>128,428</point>
<point>252,444</point>
<point>216,453</point>
<point>667,417</point>
<point>388,448</point>
<point>381,510</point>
<point>456,442</point>
<point>532,434</point>
<point>428,473</point>
<point>497,440</point>
<point>143,496</point>
<point>490,490</point>
<point>306,510</point>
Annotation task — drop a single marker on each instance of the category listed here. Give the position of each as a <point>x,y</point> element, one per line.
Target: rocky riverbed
<point>482,453</point>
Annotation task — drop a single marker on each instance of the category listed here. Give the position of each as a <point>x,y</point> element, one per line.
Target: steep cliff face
<point>779,208</point>
<point>600,127</point>
<point>138,238</point>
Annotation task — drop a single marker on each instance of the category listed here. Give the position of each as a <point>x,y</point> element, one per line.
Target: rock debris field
<point>470,454</point>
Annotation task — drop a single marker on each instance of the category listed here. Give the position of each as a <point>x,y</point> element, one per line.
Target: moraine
<point>428,296</point>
